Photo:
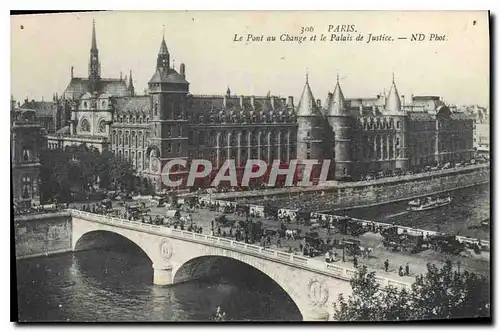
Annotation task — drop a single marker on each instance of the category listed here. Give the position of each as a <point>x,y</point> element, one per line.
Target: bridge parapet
<point>314,265</point>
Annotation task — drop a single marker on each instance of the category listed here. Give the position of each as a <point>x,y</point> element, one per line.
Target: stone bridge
<point>179,256</point>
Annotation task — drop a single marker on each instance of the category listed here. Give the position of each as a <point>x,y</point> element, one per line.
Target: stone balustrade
<point>329,269</point>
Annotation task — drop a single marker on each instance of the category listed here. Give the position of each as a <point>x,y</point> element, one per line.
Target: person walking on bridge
<point>386,265</point>
<point>407,269</point>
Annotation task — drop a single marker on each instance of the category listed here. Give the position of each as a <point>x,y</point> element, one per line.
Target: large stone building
<point>167,122</point>
<point>380,134</point>
<point>27,140</point>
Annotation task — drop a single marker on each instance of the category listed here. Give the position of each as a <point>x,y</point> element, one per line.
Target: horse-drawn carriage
<point>223,221</point>
<point>314,246</point>
<point>404,242</point>
<point>349,226</point>
<point>446,243</point>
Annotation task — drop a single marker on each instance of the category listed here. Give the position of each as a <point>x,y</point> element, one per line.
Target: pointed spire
<point>336,104</point>
<point>307,104</point>
<point>94,42</point>
<point>131,84</point>
<point>393,102</point>
<point>163,46</point>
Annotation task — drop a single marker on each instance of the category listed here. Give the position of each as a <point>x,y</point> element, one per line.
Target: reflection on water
<point>470,206</point>
<point>100,285</point>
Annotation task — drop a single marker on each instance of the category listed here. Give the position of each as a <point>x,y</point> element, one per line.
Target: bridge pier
<point>315,315</point>
<point>162,275</point>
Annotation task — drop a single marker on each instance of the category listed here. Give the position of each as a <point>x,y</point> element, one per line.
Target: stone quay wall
<point>42,234</point>
<point>337,196</point>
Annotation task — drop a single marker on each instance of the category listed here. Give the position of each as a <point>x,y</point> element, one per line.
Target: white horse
<point>291,233</point>
<point>365,252</point>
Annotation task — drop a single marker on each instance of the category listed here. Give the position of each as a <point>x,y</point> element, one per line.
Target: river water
<point>469,207</point>
<point>115,285</point>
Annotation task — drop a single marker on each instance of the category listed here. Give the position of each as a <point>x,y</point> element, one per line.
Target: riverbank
<point>366,193</point>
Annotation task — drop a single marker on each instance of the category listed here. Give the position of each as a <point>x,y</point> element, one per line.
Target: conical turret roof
<point>336,105</point>
<point>163,47</point>
<point>393,102</point>
<point>307,104</point>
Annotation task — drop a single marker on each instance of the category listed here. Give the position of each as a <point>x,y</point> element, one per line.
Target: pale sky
<point>46,46</point>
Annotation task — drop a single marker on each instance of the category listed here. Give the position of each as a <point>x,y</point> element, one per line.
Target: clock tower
<point>168,89</point>
<point>94,64</point>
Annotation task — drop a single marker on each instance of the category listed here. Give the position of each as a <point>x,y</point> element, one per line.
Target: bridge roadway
<point>179,256</point>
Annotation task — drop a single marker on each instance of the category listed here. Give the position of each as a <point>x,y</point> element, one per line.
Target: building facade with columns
<point>360,135</point>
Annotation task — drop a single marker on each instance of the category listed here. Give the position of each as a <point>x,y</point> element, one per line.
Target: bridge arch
<point>85,230</point>
<point>216,266</point>
<point>106,239</point>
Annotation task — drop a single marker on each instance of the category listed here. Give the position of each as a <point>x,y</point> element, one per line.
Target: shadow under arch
<point>101,239</point>
<point>114,254</point>
<point>258,295</point>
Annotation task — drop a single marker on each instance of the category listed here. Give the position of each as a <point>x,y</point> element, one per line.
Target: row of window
<point>244,118</point>
<point>242,138</point>
<point>384,124</point>
<point>119,138</point>
<point>133,119</point>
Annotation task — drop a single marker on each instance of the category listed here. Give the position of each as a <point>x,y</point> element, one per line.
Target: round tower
<point>342,125</point>
<point>310,130</point>
<point>394,110</point>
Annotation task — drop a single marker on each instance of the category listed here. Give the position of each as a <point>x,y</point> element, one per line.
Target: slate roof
<point>133,104</point>
<point>78,86</point>
<point>42,108</point>
<point>420,116</point>
<point>213,106</point>
<point>170,76</point>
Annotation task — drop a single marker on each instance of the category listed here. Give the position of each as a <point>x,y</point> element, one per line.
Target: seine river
<point>117,286</point>
<point>469,207</point>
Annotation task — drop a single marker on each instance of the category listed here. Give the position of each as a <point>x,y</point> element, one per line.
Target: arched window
<point>102,127</point>
<point>85,125</point>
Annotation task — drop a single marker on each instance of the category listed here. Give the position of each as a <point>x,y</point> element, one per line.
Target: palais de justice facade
<point>168,122</point>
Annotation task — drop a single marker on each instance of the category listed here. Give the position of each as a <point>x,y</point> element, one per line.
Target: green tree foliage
<point>79,169</point>
<point>441,293</point>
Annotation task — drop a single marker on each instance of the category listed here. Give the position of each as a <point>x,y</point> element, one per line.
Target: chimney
<point>183,70</point>
<point>318,103</point>
<point>403,100</point>
<point>290,101</point>
<point>252,101</point>
<point>241,101</point>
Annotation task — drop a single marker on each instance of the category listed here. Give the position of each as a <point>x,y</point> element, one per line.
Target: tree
<point>75,170</point>
<point>439,294</point>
